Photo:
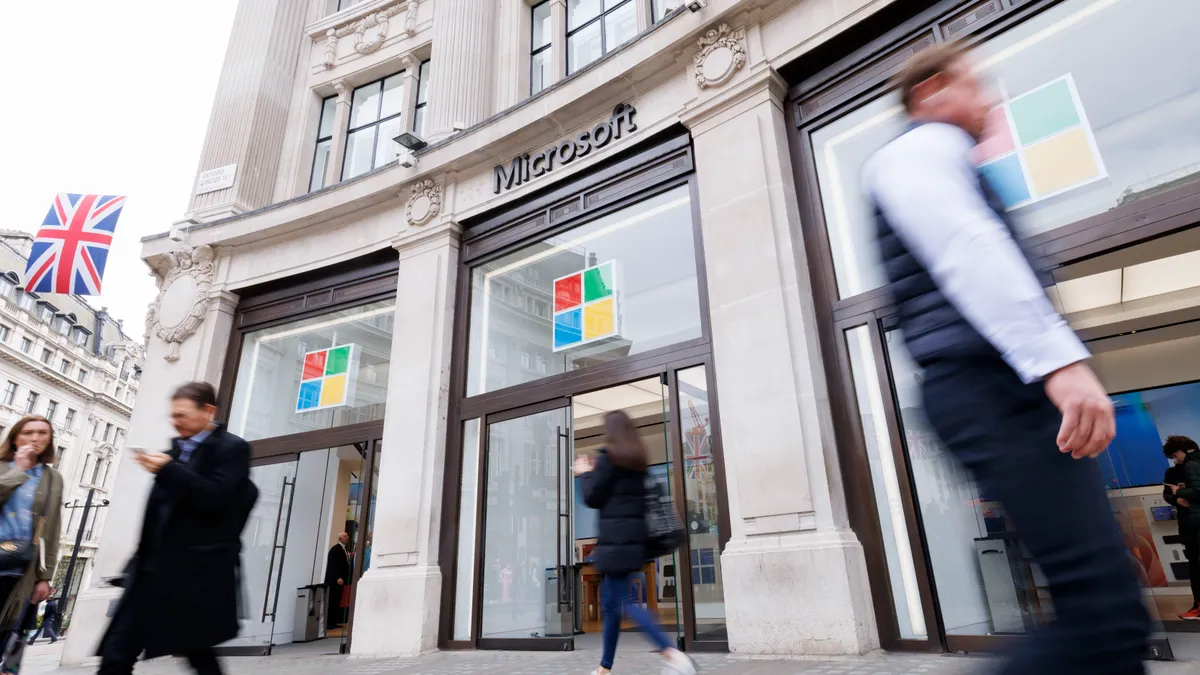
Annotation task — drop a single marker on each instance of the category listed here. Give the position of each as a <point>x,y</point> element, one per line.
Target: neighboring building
<point>631,204</point>
<point>74,365</point>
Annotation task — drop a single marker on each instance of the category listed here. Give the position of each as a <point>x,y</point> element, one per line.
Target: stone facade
<point>795,576</point>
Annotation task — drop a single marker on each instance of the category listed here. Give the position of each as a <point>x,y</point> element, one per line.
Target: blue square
<point>568,328</point>
<point>1007,179</point>
<point>310,395</point>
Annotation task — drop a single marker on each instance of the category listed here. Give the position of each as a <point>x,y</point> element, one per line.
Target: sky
<point>110,97</point>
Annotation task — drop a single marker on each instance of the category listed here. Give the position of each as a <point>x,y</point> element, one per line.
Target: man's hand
<point>341,582</point>
<point>40,592</point>
<point>152,461</point>
<point>1183,502</point>
<point>1088,424</point>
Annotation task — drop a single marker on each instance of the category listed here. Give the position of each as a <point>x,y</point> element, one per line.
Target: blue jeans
<point>617,600</point>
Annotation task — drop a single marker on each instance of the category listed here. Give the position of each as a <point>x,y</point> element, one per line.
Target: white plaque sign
<point>216,179</point>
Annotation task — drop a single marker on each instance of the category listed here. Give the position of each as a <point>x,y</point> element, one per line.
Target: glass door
<point>526,568</point>
<point>360,518</point>
<point>264,543</point>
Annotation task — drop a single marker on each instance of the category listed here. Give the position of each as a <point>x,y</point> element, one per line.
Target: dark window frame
<point>604,49</point>
<point>321,139</point>
<point>422,99</point>
<point>534,51</point>
<point>351,130</point>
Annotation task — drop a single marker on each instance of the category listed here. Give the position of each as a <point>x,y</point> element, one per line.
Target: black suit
<point>337,566</point>
<point>181,587</point>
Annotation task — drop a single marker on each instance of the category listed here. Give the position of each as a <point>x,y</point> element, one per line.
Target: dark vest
<point>933,329</point>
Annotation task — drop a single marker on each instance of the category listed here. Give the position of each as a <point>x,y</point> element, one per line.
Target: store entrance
<point>307,543</point>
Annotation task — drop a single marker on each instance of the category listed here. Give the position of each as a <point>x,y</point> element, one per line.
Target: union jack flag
<point>71,249</point>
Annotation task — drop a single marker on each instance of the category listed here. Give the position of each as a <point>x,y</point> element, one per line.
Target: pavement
<point>42,659</point>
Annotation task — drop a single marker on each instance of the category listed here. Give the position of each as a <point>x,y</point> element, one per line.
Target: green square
<point>598,282</point>
<point>1045,112</point>
<point>338,361</point>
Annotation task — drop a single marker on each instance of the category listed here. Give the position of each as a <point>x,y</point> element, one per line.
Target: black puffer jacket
<point>620,496</point>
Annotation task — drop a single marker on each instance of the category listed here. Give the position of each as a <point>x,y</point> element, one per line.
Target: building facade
<point>433,242</point>
<point>74,365</point>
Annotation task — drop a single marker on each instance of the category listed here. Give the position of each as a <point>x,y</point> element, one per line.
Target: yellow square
<point>333,391</point>
<point>598,320</point>
<point>1061,162</point>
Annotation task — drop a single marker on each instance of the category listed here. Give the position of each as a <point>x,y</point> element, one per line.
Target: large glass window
<point>661,8</point>
<point>543,30</point>
<point>422,99</point>
<point>468,503</point>
<point>375,120</point>
<point>320,167</point>
<point>597,27</point>
<point>620,285</point>
<point>1088,119</point>
<point>318,373</point>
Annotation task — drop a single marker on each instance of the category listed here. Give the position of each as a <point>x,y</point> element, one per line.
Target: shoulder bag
<point>664,529</point>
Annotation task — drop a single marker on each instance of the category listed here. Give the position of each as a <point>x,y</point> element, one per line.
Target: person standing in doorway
<point>1181,489</point>
<point>337,575</point>
<point>181,587</point>
<point>615,485</point>
<point>1006,386</point>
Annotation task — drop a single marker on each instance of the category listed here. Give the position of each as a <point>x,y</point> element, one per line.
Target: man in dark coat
<point>1179,449</point>
<point>337,575</point>
<point>181,587</point>
<point>1188,492</point>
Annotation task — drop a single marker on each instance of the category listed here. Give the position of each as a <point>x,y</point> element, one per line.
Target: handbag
<point>664,528</point>
<point>16,554</point>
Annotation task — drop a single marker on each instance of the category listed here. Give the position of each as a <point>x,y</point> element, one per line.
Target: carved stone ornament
<point>425,202</point>
<point>184,281</point>
<point>722,53</point>
<point>376,22</point>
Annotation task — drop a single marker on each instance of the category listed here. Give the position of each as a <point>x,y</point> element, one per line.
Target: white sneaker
<point>678,664</point>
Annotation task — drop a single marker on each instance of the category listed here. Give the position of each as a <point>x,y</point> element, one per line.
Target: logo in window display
<point>586,307</point>
<point>327,378</point>
<point>1039,145</point>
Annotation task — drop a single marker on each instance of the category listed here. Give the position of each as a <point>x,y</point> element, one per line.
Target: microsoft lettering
<point>526,167</point>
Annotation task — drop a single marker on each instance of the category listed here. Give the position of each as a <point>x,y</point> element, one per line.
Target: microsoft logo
<point>327,378</point>
<point>585,306</point>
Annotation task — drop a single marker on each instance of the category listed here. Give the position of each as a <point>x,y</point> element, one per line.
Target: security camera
<point>407,159</point>
<point>697,5</point>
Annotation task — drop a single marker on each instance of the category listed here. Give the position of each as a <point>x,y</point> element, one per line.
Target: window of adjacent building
<point>1078,130</point>
<point>597,27</point>
<point>108,429</point>
<point>27,302</point>
<point>64,367</point>
<point>376,111</point>
<point>69,421</point>
<point>45,314</point>
<point>652,251</point>
<point>26,345</point>
<point>46,356</point>
<point>51,410</point>
<point>344,4</point>
<point>81,336</point>
<point>31,402</point>
<point>543,31</point>
<point>83,376</point>
<point>320,167</point>
<point>120,393</point>
<point>10,393</point>
<point>95,431</point>
<point>5,331</point>
<point>269,397</point>
<point>96,469</point>
<point>62,325</point>
<point>422,99</point>
<point>6,287</point>
<point>60,456</point>
<point>661,8</point>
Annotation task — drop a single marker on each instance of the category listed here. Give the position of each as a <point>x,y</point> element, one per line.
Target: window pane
<point>580,12</point>
<point>656,295</point>
<point>320,166</point>
<point>419,121</point>
<point>584,47</point>
<point>423,84</point>
<point>620,26</point>
<point>281,389</point>
<point>360,150</point>
<point>664,7</point>
<point>543,29</point>
<point>468,501</point>
<point>393,95</point>
<point>540,76</point>
<point>703,506</point>
<point>328,111</point>
<point>386,148</point>
<point>892,524</point>
<point>365,108</point>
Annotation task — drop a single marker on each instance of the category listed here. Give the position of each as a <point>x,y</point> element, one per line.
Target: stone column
<point>412,81</point>
<point>399,598</point>
<point>558,43</point>
<point>250,111</point>
<point>341,119</point>
<point>645,8</point>
<point>794,573</point>
<point>460,91</point>
<point>198,355</point>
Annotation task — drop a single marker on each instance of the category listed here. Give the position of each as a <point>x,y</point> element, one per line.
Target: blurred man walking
<point>181,587</point>
<point>1006,387</point>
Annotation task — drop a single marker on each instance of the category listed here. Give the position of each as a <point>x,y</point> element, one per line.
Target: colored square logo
<point>1039,145</point>
<point>586,306</point>
<point>327,378</point>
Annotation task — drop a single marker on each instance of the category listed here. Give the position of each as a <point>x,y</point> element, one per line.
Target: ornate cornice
<point>184,280</point>
<point>373,20</point>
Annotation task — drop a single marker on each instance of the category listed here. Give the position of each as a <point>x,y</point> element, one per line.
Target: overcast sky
<point>110,97</point>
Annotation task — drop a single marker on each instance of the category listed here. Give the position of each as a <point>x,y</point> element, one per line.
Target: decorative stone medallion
<point>184,281</point>
<point>375,22</point>
<point>722,53</point>
<point>425,202</point>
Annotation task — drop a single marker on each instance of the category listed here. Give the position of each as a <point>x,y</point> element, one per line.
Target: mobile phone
<point>137,449</point>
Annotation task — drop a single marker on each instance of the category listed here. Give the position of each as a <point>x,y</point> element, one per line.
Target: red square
<point>314,366</point>
<point>568,292</point>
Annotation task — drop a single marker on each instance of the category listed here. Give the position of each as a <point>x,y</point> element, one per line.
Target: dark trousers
<point>125,640</point>
<point>1005,432</point>
<point>1191,549</point>
<point>333,606</point>
<point>617,597</point>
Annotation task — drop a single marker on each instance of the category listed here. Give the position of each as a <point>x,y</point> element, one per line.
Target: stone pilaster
<point>399,598</point>
<point>461,82</point>
<point>341,121</point>
<point>250,111</point>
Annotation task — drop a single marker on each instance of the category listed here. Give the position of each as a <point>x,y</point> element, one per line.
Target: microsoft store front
<point>1095,149</point>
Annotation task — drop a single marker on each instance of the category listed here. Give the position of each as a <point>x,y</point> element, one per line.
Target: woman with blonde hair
<point>31,519</point>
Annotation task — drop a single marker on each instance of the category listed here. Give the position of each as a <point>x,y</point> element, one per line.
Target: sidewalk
<point>42,659</point>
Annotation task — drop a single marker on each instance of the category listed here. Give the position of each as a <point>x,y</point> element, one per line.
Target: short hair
<point>200,393</point>
<point>8,451</point>
<point>1176,444</point>
<point>923,65</point>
